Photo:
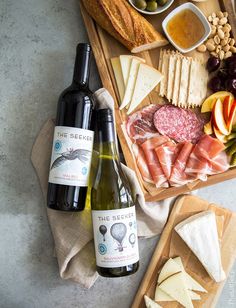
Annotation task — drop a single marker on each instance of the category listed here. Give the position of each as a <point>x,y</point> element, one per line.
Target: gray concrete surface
<point>37,46</point>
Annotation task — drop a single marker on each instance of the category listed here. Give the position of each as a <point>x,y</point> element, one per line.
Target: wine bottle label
<point>71,156</point>
<point>115,237</point>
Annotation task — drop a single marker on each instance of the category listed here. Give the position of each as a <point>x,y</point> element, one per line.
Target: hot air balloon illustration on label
<point>118,232</point>
<point>103,231</point>
<point>132,239</point>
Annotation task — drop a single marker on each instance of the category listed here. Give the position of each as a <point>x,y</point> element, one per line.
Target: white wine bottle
<point>113,209</point>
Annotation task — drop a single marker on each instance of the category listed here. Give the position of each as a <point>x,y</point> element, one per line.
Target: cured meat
<point>167,155</point>
<point>178,124</point>
<point>154,166</point>
<point>178,175</point>
<point>142,163</point>
<point>140,125</point>
<point>209,147</point>
<point>202,165</point>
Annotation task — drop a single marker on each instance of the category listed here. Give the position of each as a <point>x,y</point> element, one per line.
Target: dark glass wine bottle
<point>73,140</point>
<point>113,210</point>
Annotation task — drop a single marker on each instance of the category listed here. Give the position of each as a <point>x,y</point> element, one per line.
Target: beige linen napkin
<point>72,232</point>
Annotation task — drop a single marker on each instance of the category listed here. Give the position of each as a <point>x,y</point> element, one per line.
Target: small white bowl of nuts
<point>220,44</point>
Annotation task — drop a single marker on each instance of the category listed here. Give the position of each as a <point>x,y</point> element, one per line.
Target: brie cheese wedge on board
<point>199,232</point>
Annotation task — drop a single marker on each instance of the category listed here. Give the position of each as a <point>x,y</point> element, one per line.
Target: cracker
<point>184,82</point>
<point>175,93</point>
<point>171,75</point>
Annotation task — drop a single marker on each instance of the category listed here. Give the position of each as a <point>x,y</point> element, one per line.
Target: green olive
<point>140,4</point>
<point>151,6</point>
<point>161,2</point>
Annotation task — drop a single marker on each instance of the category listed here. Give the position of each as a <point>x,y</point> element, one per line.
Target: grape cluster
<point>225,77</point>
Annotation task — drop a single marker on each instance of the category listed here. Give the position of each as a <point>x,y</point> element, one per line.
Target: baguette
<point>125,24</point>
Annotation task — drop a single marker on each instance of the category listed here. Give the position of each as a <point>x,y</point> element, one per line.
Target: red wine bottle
<point>73,140</point>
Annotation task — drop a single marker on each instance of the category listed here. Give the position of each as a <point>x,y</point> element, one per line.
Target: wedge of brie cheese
<point>199,232</point>
<point>147,79</point>
<point>176,288</point>
<point>115,62</point>
<point>150,303</point>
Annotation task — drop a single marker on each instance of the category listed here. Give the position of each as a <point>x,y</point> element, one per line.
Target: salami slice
<point>140,125</point>
<point>178,124</point>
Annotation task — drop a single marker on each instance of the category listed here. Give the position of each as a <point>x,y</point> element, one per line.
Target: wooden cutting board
<point>105,47</point>
<point>171,245</point>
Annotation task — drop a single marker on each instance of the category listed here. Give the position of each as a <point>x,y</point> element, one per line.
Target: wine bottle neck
<point>107,143</point>
<point>82,65</point>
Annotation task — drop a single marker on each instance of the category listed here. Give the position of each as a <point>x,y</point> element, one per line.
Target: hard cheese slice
<point>168,269</point>
<point>133,72</point>
<point>199,232</point>
<point>148,77</point>
<point>125,62</point>
<point>192,284</point>
<point>115,62</point>
<point>175,287</point>
<point>161,296</point>
<point>150,303</point>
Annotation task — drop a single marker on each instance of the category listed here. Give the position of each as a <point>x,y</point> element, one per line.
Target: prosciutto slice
<point>209,147</point>
<point>207,158</point>
<point>167,155</point>
<point>142,163</point>
<point>140,125</point>
<point>178,176</point>
<point>153,163</point>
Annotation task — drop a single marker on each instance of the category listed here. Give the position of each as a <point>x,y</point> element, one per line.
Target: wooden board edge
<point>151,271</point>
<point>157,253</point>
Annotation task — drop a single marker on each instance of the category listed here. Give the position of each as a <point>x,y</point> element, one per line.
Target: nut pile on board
<point>220,43</point>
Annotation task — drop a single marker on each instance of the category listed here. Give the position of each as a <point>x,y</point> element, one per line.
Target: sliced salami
<point>140,125</point>
<point>178,124</point>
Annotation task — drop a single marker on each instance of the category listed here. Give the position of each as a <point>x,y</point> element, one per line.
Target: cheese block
<point>161,296</point>
<point>192,284</point>
<point>148,77</point>
<point>199,232</point>
<point>175,287</point>
<point>125,24</point>
<point>150,303</point>
<point>115,62</point>
<point>129,90</point>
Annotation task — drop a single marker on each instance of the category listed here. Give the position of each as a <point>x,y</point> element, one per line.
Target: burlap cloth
<point>72,232</point>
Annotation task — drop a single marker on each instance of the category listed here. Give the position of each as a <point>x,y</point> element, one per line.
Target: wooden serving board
<point>171,245</point>
<point>105,47</point>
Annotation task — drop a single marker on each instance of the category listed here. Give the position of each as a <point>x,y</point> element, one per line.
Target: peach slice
<point>209,102</point>
<point>208,128</point>
<point>218,118</point>
<point>227,103</point>
<point>231,116</point>
<point>219,136</point>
